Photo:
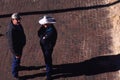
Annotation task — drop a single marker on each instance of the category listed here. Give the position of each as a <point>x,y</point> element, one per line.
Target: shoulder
<point>10,25</point>
<point>49,28</point>
<point>41,28</point>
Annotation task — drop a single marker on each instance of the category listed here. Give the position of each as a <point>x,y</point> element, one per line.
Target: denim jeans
<point>48,61</point>
<point>15,66</point>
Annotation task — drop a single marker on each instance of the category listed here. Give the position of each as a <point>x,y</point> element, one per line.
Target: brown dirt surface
<point>88,40</point>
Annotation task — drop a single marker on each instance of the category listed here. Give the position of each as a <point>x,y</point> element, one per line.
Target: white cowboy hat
<point>47,20</point>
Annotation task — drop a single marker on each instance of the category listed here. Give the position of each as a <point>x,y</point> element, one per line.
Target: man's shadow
<point>30,68</point>
<point>93,66</point>
<point>64,10</point>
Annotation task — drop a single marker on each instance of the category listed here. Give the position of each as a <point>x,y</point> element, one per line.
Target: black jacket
<point>48,37</point>
<point>16,38</point>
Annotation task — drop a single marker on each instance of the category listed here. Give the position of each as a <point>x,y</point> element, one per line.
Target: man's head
<point>16,18</point>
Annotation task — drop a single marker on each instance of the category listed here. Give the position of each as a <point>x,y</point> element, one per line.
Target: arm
<point>10,41</point>
<point>41,32</point>
<point>48,34</point>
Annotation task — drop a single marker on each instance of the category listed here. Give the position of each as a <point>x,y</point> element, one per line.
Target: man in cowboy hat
<point>16,40</point>
<point>48,36</point>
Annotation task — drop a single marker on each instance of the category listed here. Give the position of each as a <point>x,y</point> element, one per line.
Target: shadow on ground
<point>97,65</point>
<point>30,68</point>
<point>64,10</point>
<point>93,66</point>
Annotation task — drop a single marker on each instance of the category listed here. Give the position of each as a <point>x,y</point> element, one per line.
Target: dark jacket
<point>16,38</point>
<point>48,36</point>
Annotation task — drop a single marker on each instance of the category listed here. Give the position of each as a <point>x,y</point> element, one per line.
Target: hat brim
<point>42,23</point>
<point>47,21</point>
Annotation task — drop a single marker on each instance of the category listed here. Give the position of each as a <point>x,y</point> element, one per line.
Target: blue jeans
<point>48,61</point>
<point>15,66</point>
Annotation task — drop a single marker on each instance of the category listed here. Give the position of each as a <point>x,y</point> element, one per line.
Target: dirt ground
<point>88,43</point>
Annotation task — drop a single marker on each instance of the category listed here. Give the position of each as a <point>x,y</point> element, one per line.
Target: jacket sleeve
<point>9,34</point>
<point>41,32</point>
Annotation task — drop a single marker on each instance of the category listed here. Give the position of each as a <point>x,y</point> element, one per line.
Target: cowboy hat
<point>47,20</point>
<point>15,16</point>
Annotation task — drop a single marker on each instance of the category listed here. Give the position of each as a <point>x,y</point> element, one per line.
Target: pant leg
<point>15,66</point>
<point>48,62</point>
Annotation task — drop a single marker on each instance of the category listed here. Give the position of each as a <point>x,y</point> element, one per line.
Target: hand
<point>18,56</point>
<point>43,37</point>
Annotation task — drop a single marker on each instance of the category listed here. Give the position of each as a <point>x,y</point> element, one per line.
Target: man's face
<point>46,25</point>
<point>16,21</point>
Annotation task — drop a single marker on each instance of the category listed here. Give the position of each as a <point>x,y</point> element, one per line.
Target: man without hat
<point>17,40</point>
<point>48,36</point>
